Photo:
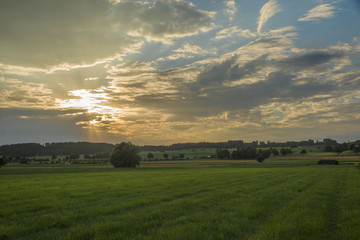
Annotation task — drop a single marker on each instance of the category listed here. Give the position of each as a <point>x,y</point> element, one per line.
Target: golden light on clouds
<point>86,100</point>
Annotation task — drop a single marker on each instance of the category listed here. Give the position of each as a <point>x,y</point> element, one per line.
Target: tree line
<point>250,153</point>
<point>98,158</point>
<point>65,148</point>
<point>87,148</point>
<point>241,144</point>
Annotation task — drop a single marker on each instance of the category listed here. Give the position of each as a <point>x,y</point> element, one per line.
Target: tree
<point>352,146</point>
<point>243,153</point>
<point>262,155</point>
<point>328,148</point>
<point>275,152</point>
<point>329,141</point>
<point>303,152</point>
<point>165,155</point>
<point>125,154</point>
<point>260,158</point>
<point>356,149</point>
<point>150,155</point>
<point>284,151</point>
<point>181,156</point>
<point>222,153</point>
<point>2,162</point>
<point>338,149</point>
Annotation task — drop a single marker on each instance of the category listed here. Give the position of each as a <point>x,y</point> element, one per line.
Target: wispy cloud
<point>189,51</point>
<point>18,94</point>
<point>322,11</point>
<point>266,12</point>
<point>234,31</point>
<point>231,9</point>
<point>18,70</point>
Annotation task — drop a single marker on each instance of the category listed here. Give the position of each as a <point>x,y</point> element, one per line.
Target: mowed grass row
<point>307,202</point>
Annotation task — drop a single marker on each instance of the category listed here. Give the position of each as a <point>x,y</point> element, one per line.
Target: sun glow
<point>95,103</point>
<point>84,99</point>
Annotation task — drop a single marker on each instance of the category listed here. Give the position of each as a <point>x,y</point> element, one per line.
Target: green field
<point>209,199</point>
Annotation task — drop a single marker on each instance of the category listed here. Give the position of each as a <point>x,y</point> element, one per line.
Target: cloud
<point>266,12</point>
<point>189,51</point>
<point>18,70</point>
<point>55,35</point>
<point>91,79</point>
<point>131,68</point>
<point>234,31</point>
<point>310,59</point>
<point>104,72</point>
<point>18,93</point>
<point>244,91</point>
<point>231,9</point>
<point>231,83</point>
<point>161,21</point>
<point>322,11</point>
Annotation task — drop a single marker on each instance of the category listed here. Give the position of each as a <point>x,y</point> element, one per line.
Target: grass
<point>189,200</point>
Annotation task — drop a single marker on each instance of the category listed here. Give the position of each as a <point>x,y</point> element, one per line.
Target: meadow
<point>203,199</point>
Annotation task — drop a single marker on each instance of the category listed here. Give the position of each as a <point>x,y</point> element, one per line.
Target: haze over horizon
<point>170,71</point>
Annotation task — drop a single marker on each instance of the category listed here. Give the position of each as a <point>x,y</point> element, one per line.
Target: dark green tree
<point>260,158</point>
<point>165,155</point>
<point>222,153</point>
<point>338,149</point>
<point>181,156</point>
<point>303,152</point>
<point>150,155</point>
<point>125,154</point>
<point>351,147</point>
<point>275,152</point>
<point>328,148</point>
<point>284,151</point>
<point>2,161</point>
<point>356,149</point>
<point>261,155</point>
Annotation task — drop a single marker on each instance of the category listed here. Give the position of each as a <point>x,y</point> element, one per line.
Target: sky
<point>169,71</point>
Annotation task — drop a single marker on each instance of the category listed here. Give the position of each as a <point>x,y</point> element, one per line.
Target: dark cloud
<point>308,60</point>
<point>277,85</point>
<point>228,71</point>
<point>213,93</point>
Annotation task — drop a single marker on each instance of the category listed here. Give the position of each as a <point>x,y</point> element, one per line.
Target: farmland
<point>204,199</point>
